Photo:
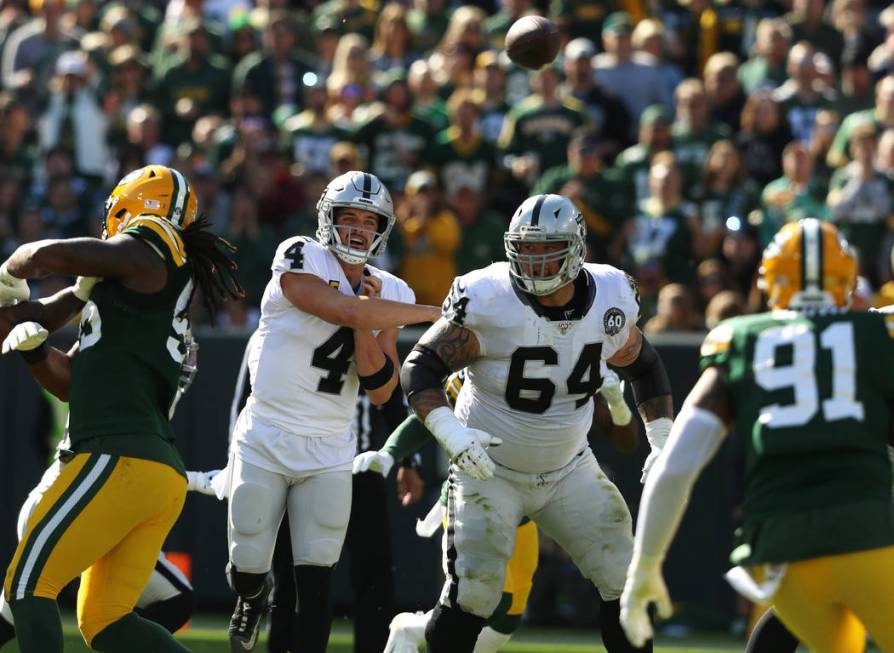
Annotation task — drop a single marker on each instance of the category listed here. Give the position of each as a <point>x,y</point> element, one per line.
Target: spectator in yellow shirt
<point>431,236</point>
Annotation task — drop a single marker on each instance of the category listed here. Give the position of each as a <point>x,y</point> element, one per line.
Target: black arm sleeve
<point>646,375</point>
<point>423,370</point>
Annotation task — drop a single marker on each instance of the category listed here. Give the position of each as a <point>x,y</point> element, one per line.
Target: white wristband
<point>447,430</point>
<point>657,431</point>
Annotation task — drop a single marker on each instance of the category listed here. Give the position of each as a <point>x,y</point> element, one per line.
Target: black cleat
<point>246,620</point>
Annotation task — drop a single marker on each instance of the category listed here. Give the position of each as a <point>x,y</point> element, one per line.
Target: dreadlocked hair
<point>212,267</point>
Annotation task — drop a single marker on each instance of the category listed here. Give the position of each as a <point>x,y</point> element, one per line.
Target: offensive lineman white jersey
<point>303,374</point>
<point>534,382</point>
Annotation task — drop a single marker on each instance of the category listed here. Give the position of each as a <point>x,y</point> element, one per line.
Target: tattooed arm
<point>444,348</point>
<point>638,363</point>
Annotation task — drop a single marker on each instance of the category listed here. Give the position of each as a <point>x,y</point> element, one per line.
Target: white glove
<point>12,289</point>
<point>614,396</point>
<point>201,482</point>
<point>657,432</point>
<point>25,336</point>
<point>83,286</point>
<point>463,445</point>
<point>644,586</point>
<point>373,461</point>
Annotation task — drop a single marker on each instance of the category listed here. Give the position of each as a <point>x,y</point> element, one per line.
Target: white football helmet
<point>545,219</point>
<point>360,190</point>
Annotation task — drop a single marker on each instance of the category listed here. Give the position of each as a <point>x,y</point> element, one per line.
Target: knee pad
<point>452,630</point>
<point>172,613</point>
<point>246,585</point>
<point>244,513</point>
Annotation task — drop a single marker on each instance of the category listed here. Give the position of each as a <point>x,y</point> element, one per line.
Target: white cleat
<point>407,632</point>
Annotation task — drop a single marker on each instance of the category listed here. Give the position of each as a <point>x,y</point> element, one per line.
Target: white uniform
<point>532,387</point>
<point>293,443</point>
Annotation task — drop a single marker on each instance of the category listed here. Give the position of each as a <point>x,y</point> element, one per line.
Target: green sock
<point>133,634</point>
<point>38,625</point>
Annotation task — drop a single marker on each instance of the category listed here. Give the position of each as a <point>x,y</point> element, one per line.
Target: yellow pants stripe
<point>521,567</point>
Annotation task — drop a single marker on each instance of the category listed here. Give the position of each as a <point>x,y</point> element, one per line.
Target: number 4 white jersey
<point>539,367</point>
<point>303,375</point>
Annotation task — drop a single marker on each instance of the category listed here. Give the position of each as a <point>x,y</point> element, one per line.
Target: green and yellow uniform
<point>408,438</point>
<point>462,162</point>
<point>123,484</point>
<point>811,392</point>
<point>542,130</point>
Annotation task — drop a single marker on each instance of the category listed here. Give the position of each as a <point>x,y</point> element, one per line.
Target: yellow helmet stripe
<point>168,235</point>
<point>811,255</point>
<point>179,197</point>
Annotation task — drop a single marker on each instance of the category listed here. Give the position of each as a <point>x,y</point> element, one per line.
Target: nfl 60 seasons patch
<point>613,321</point>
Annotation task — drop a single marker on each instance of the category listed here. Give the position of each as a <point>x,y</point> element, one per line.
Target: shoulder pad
<point>718,340</point>
<point>301,254</point>
<point>474,295</point>
<point>162,234</point>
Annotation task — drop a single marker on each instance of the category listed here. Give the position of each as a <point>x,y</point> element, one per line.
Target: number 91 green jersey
<point>811,392</point>
<point>132,346</point>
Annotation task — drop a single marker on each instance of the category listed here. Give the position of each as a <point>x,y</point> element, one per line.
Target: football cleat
<point>407,632</point>
<point>246,620</point>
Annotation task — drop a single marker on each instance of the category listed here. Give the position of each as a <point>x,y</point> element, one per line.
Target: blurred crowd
<point>687,131</point>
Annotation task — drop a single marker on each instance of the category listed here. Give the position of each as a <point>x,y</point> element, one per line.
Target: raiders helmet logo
<point>613,321</point>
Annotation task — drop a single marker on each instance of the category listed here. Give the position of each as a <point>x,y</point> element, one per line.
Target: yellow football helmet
<point>808,264</point>
<point>153,190</point>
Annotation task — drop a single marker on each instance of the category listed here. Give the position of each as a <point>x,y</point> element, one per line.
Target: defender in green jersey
<point>122,487</point>
<point>809,389</point>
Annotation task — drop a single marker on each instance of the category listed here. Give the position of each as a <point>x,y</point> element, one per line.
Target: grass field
<point>208,635</point>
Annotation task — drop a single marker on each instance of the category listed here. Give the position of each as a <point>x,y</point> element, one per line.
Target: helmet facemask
<point>529,271</point>
<point>349,196</point>
<point>545,219</point>
<point>353,252</point>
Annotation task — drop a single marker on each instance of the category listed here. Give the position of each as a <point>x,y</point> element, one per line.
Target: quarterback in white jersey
<point>329,325</point>
<point>533,333</point>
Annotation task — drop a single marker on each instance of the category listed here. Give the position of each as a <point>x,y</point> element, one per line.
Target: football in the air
<point>532,42</point>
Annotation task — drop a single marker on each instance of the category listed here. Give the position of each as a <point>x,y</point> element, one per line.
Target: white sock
<point>5,610</point>
<point>490,641</point>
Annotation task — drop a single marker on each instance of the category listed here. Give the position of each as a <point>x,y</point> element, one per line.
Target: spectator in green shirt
<point>275,74</point>
<point>881,115</point>
<point>693,132</point>
<point>654,136</point>
<point>659,241</point>
<point>482,230</point>
<point>536,132</point>
<point>427,20</point>
<point>196,84</point>
<point>793,196</point>
<point>603,196</point>
<point>766,67</point>
<point>459,153</point>
<point>808,24</point>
